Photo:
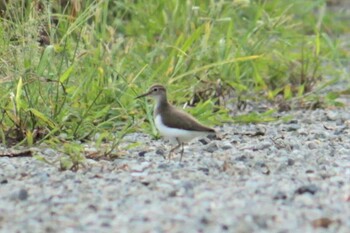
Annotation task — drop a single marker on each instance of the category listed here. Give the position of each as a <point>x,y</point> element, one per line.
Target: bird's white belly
<point>173,133</point>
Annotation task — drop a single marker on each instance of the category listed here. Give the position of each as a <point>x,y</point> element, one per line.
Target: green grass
<point>84,83</point>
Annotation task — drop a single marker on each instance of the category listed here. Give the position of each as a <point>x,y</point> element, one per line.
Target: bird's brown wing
<point>181,120</point>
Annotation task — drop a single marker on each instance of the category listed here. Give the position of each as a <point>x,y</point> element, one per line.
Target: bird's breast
<point>173,133</point>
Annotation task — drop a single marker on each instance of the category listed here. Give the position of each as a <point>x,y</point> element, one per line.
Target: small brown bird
<point>172,123</point>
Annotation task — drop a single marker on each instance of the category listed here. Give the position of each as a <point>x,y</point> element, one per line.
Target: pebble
<point>241,158</point>
<point>293,127</point>
<point>312,145</point>
<point>211,147</point>
<point>23,194</point>
<point>312,189</point>
<point>160,152</point>
<point>4,181</point>
<point>139,167</point>
<point>290,162</point>
<point>226,146</point>
<point>280,196</point>
<point>332,116</point>
<point>49,152</point>
<point>142,153</point>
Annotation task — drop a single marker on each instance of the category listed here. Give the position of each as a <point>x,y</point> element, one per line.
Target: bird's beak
<point>143,95</point>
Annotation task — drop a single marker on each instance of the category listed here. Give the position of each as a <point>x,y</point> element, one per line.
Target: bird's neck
<point>161,104</point>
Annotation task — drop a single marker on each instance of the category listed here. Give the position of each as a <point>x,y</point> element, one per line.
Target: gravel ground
<point>275,177</point>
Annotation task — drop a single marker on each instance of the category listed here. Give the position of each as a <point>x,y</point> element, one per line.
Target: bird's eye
<point>155,89</point>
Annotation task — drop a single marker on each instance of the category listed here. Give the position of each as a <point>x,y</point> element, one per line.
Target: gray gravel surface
<point>275,177</point>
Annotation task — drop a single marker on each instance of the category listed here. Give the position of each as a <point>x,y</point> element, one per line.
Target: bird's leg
<point>173,149</point>
<point>182,151</point>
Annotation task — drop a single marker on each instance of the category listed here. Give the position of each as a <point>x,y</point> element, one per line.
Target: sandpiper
<point>172,123</point>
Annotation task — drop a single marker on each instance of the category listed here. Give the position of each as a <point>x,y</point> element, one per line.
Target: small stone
<point>226,146</point>
<point>303,132</point>
<point>294,145</point>
<point>236,140</point>
<point>332,116</point>
<point>173,193</point>
<point>312,145</point>
<point>312,189</point>
<point>205,220</point>
<point>339,122</point>
<point>204,141</point>
<point>148,201</point>
<point>93,207</point>
<point>49,229</point>
<point>63,136</point>
<point>260,130</point>
<point>244,226</point>
<point>321,135</point>
<point>290,162</point>
<point>307,121</point>
<point>139,167</point>
<point>280,196</point>
<point>22,195</point>
<point>205,170</point>
<point>42,176</point>
<point>50,152</point>
<point>160,152</point>
<point>163,166</point>
<point>142,153</point>
<point>213,137</point>
<point>105,224</point>
<point>224,227</point>
<point>69,175</point>
<point>146,183</point>
<point>262,146</point>
<point>187,185</point>
<point>4,181</point>
<point>261,221</point>
<point>340,131</point>
<point>322,222</point>
<point>241,158</point>
<point>263,168</point>
<point>211,147</point>
<point>293,127</point>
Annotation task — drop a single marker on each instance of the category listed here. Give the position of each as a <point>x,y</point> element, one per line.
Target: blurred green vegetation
<point>70,72</point>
